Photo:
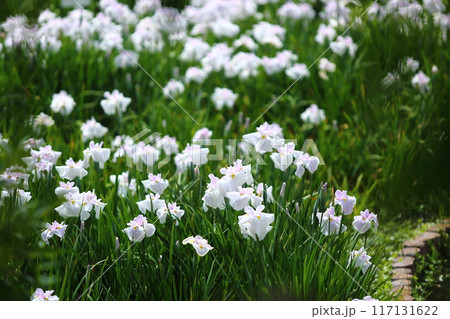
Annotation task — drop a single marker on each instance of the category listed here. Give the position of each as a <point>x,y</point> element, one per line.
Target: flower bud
<point>247,122</point>
<point>283,188</point>
<point>196,171</point>
<point>227,127</point>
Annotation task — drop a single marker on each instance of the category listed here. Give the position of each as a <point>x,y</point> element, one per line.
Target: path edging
<point>404,265</point>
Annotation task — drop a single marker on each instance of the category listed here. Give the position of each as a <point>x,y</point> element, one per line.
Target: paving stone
<point>440,227</point>
<point>414,243</point>
<point>410,251</point>
<point>406,296</point>
<point>401,273</point>
<point>402,283</point>
<point>405,289</point>
<point>404,262</point>
<point>428,236</point>
<point>417,243</point>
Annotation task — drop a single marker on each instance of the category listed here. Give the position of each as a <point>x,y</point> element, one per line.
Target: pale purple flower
<point>410,65</point>
<point>120,13</point>
<point>147,36</point>
<point>297,71</point>
<point>200,244</point>
<point>173,88</point>
<point>294,11</point>
<point>264,190</point>
<point>361,259</point>
<point>13,176</point>
<point>72,170</point>
<point>139,229</point>
<point>192,154</point>
<point>224,28</point>
<point>171,209</point>
<point>376,11</point>
<point>30,143</point>
<point>168,144</point>
<point>126,59</point>
<point>235,176</point>
<point>217,58</point>
<point>313,115</point>
<point>115,103</point>
<point>366,298</point>
<point>433,6</point>
<point>195,74</point>
<point>267,137</point>
<point>246,42</point>
<point>214,194</point>
<point>363,222</point>
<point>155,183</point>
<point>42,119</point>
<point>434,69</point>
<point>344,44</point>
<point>92,129</point>
<point>324,67</point>
<point>97,152</point>
<point>145,6</point>
<point>46,16</point>
<point>421,81</point>
<point>54,228</point>
<point>345,201</point>
<point>325,33</point>
<point>22,197</point>
<point>266,33</point>
<point>43,159</point>
<point>151,203</point>
<point>285,156</point>
<point>243,197</point>
<point>146,154</point>
<point>40,295</point>
<point>65,188</point>
<point>242,64</point>
<point>255,223</point>
<point>62,103</point>
<point>80,205</point>
<point>202,136</point>
<point>336,11</point>
<point>223,97</point>
<point>304,160</point>
<point>390,79</point>
<point>330,223</point>
<point>125,185</point>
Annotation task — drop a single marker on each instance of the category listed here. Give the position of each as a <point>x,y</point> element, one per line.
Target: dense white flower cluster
<point>115,102</point>
<point>80,205</point>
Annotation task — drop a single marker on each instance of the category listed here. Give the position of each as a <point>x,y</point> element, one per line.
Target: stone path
<point>404,264</point>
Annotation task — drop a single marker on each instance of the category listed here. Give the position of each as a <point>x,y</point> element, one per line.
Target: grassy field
<point>387,145</point>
